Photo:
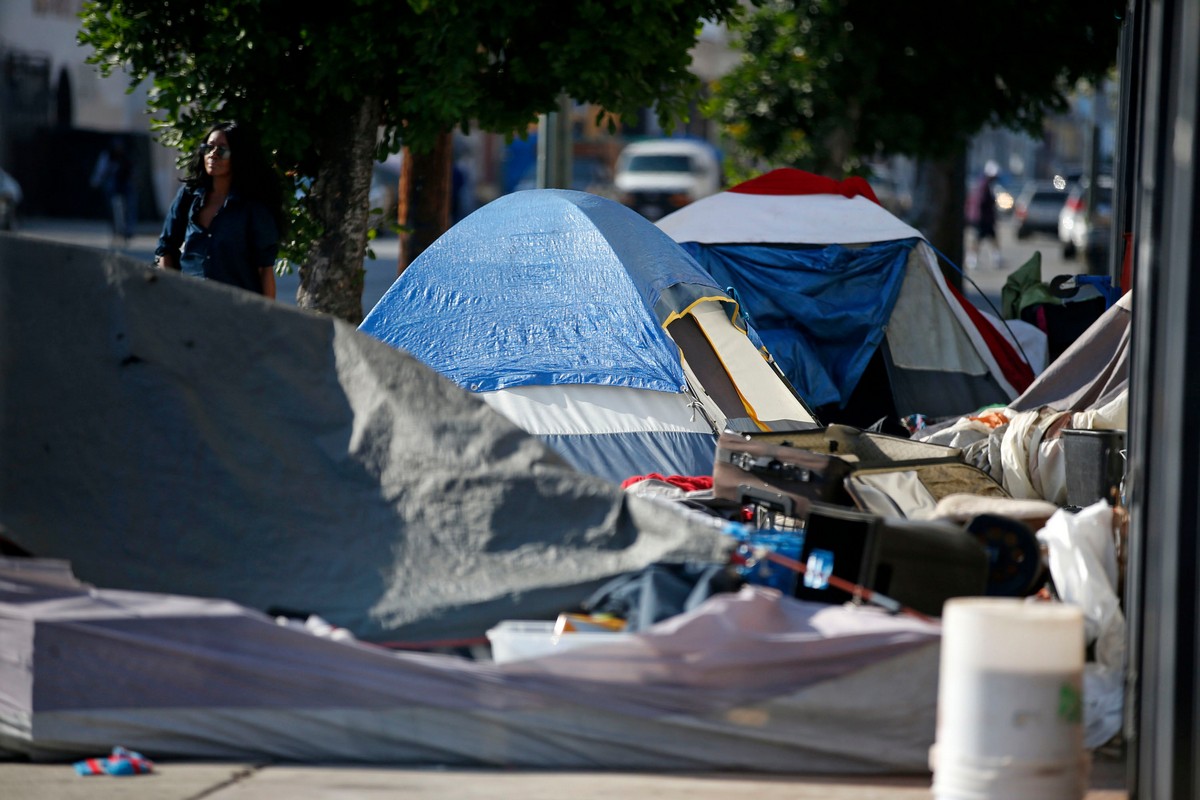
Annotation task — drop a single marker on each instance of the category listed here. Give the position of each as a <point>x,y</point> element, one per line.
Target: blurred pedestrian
<point>224,224</point>
<point>113,175</point>
<point>981,216</point>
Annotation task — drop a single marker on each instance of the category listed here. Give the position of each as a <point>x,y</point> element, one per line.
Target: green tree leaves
<point>826,84</point>
<point>298,71</point>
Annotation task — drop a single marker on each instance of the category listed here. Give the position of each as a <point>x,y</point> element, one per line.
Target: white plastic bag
<point>1083,564</point>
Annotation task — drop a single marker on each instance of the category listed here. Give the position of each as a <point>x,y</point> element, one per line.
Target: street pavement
<point>982,283</point>
<point>231,781</point>
<point>188,780</point>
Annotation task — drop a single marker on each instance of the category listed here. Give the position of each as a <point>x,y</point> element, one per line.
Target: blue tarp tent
<point>849,299</point>
<point>822,311</point>
<point>555,305</point>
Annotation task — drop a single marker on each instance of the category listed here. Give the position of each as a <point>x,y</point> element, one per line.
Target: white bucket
<point>1010,702</point>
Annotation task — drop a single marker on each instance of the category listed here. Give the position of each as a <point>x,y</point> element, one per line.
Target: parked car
<point>10,198</point>
<point>1077,230</point>
<point>657,176</point>
<point>1037,208</point>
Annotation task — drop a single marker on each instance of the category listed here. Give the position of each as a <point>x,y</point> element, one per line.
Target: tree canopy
<point>828,84</point>
<point>316,79</point>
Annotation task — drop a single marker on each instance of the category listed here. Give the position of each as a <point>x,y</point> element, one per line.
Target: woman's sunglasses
<point>218,150</point>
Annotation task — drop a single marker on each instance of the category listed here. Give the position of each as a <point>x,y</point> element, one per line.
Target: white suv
<point>658,176</point>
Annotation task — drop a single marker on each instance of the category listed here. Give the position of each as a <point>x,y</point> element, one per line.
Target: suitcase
<point>912,491</point>
<point>753,470</point>
<point>789,470</point>
<point>865,447</point>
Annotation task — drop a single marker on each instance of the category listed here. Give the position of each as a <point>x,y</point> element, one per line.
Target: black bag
<point>919,564</point>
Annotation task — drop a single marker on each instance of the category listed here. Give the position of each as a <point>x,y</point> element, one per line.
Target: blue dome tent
<point>587,326</point>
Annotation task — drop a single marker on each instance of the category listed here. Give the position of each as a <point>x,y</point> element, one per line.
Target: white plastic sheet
<point>1083,563</point>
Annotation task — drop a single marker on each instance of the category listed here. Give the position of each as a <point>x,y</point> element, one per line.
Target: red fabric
<point>786,180</point>
<point>689,483</point>
<point>1018,373</point>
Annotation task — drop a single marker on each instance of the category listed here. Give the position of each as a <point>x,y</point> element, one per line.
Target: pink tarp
<point>751,680</point>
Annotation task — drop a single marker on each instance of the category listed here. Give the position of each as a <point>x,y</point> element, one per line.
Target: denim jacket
<point>240,240</point>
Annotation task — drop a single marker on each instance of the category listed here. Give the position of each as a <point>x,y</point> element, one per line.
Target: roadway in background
<point>982,284</point>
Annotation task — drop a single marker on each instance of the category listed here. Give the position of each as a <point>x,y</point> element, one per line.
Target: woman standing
<point>225,220</point>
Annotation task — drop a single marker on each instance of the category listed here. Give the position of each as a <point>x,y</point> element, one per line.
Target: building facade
<point>57,114</point>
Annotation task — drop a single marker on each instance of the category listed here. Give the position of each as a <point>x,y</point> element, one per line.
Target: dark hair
<point>253,176</point>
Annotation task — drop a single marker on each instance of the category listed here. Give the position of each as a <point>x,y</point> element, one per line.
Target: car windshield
<point>660,163</point>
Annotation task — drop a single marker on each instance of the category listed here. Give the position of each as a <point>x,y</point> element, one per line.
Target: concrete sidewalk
<point>226,781</point>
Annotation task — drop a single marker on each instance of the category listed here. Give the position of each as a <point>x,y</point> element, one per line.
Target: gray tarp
<point>165,434</point>
<point>750,680</point>
<point>1092,371</point>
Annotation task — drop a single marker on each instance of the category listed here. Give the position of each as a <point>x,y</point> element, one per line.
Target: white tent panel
<point>565,409</point>
<point>772,219</point>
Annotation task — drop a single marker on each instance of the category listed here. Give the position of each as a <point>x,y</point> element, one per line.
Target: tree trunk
<point>424,198</point>
<point>939,197</point>
<point>331,279</point>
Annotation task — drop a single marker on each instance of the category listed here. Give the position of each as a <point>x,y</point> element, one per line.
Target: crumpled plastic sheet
<point>1083,563</point>
<point>1025,454</point>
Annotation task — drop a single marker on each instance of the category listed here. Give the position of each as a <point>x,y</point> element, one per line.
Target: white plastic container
<point>516,640</point>
<point>1010,702</point>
